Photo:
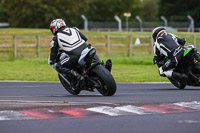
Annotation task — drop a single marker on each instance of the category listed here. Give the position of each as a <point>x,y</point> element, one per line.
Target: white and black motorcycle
<point>96,74</point>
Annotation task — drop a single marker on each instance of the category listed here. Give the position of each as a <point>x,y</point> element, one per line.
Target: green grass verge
<point>124,69</point>
<point>134,68</point>
<point>23,31</point>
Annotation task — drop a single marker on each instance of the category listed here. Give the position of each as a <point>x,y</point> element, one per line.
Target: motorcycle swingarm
<point>93,81</point>
<point>90,68</point>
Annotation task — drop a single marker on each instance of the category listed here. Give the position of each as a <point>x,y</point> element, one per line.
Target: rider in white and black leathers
<point>70,41</point>
<point>170,46</point>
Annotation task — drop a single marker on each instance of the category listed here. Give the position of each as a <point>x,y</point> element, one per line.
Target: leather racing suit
<point>170,46</point>
<point>72,42</point>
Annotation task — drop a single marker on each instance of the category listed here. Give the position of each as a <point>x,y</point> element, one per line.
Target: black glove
<point>155,59</point>
<point>51,62</point>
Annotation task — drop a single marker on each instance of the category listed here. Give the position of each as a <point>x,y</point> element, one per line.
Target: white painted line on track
<point>136,110</point>
<point>193,105</point>
<point>108,110</point>
<point>131,109</point>
<point>188,121</point>
<point>14,115</point>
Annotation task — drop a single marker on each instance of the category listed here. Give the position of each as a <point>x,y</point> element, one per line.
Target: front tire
<point>68,87</point>
<point>177,84</point>
<point>106,83</point>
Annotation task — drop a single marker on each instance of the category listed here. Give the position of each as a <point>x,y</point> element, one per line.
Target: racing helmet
<point>56,24</point>
<point>156,31</point>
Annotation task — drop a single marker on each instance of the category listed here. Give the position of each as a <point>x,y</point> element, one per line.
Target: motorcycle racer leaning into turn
<point>170,46</point>
<point>69,41</point>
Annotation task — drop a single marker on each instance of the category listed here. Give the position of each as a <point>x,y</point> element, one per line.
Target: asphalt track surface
<point>45,107</point>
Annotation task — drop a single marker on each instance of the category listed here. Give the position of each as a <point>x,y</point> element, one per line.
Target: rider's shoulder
<point>173,35</point>
<point>76,28</point>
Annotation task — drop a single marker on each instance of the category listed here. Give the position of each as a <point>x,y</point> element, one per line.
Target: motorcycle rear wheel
<point>106,83</point>
<point>68,87</point>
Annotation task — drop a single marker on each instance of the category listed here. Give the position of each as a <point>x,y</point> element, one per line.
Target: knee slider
<point>169,65</point>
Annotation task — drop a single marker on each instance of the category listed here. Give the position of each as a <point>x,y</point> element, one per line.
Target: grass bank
<point>124,69</point>
<point>134,68</point>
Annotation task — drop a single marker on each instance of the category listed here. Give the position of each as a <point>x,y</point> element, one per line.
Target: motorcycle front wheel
<point>68,87</point>
<point>177,84</point>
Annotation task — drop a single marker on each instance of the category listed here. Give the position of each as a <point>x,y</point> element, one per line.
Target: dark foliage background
<point>39,13</point>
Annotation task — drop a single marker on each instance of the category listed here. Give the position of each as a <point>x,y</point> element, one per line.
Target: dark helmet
<point>156,31</point>
<point>56,24</point>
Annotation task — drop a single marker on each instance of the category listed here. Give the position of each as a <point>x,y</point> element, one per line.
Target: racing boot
<point>80,79</point>
<point>182,78</point>
<point>69,73</point>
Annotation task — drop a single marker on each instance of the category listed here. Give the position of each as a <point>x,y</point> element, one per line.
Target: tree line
<point>39,13</point>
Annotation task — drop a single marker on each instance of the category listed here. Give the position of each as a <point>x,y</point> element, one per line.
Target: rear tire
<point>106,83</point>
<point>68,87</point>
<point>177,84</point>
